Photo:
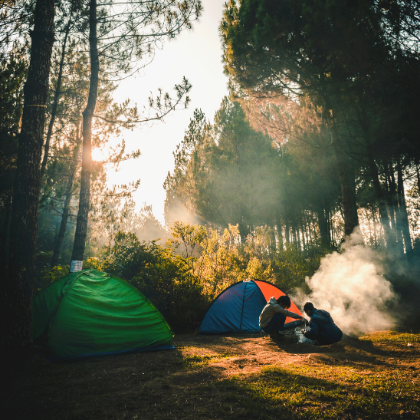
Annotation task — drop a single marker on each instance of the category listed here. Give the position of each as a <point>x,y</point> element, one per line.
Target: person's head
<point>308,308</point>
<point>284,301</point>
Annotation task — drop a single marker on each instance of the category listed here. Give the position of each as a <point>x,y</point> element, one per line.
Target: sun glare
<point>99,155</point>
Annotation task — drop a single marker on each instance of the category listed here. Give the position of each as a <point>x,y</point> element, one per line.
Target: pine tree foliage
<point>356,64</point>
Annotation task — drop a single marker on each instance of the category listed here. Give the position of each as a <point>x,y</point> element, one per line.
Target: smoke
<point>350,285</point>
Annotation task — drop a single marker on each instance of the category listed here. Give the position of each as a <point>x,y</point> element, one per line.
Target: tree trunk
<point>280,233</point>
<point>395,229</point>
<point>348,196</point>
<point>287,232</point>
<point>331,226</point>
<point>55,103</point>
<point>5,233</point>
<point>298,236</point>
<point>17,308</point>
<point>418,177</point>
<point>66,208</point>
<point>381,202</point>
<point>243,230</point>
<point>306,237</point>
<point>313,229</point>
<point>323,226</point>
<point>273,244</point>
<point>302,228</point>
<point>294,234</point>
<point>392,200</point>
<point>84,201</point>
<point>403,213</point>
<point>374,228</point>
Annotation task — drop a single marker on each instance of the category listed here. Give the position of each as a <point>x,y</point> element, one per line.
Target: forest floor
<point>226,377</point>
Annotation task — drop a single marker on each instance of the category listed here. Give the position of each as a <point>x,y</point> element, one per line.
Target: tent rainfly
<point>93,313</point>
<point>238,308</point>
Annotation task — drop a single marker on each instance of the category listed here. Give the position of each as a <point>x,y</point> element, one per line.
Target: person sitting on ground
<point>321,326</point>
<point>274,314</point>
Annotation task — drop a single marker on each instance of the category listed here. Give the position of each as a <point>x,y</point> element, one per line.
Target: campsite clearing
<point>227,377</point>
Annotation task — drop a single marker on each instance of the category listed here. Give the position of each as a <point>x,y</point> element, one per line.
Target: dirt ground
<point>212,377</point>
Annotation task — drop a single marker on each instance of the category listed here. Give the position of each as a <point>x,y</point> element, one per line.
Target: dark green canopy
<point>93,313</point>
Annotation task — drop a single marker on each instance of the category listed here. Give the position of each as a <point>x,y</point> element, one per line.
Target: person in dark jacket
<point>321,326</point>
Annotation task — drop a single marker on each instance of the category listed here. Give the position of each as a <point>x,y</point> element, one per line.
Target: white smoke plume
<point>350,285</point>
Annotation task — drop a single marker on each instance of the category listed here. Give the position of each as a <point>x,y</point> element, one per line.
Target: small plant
<point>49,275</point>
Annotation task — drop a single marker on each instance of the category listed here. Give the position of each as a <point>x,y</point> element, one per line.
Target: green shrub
<point>49,275</point>
<point>166,279</point>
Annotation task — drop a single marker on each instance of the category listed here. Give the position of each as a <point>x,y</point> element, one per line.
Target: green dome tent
<point>93,313</point>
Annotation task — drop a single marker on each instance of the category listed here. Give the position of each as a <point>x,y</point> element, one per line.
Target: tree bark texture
<point>55,103</point>
<point>84,201</point>
<point>64,218</point>
<point>19,284</point>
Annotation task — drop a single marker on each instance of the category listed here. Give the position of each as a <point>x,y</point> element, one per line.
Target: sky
<point>197,55</point>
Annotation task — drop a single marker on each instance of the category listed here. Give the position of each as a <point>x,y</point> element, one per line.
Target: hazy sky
<point>197,55</point>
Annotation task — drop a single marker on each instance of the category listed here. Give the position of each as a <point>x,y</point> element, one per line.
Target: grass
<point>320,392</point>
<point>194,357</point>
<point>198,360</point>
<point>391,336</point>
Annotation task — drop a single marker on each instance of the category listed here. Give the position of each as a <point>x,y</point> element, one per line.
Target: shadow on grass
<point>362,354</point>
<point>93,388</point>
<point>284,394</point>
<point>189,383</point>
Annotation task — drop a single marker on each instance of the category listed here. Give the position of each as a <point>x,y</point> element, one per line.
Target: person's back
<point>321,326</point>
<point>274,314</point>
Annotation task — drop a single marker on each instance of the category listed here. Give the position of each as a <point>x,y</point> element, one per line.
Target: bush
<point>48,275</point>
<point>166,279</point>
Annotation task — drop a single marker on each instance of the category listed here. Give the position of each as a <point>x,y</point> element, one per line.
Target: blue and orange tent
<point>238,308</point>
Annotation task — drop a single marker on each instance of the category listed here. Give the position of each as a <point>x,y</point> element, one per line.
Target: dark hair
<point>308,307</point>
<point>284,301</point>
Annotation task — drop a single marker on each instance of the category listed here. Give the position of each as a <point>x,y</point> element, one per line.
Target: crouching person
<point>321,326</point>
<point>274,315</point>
